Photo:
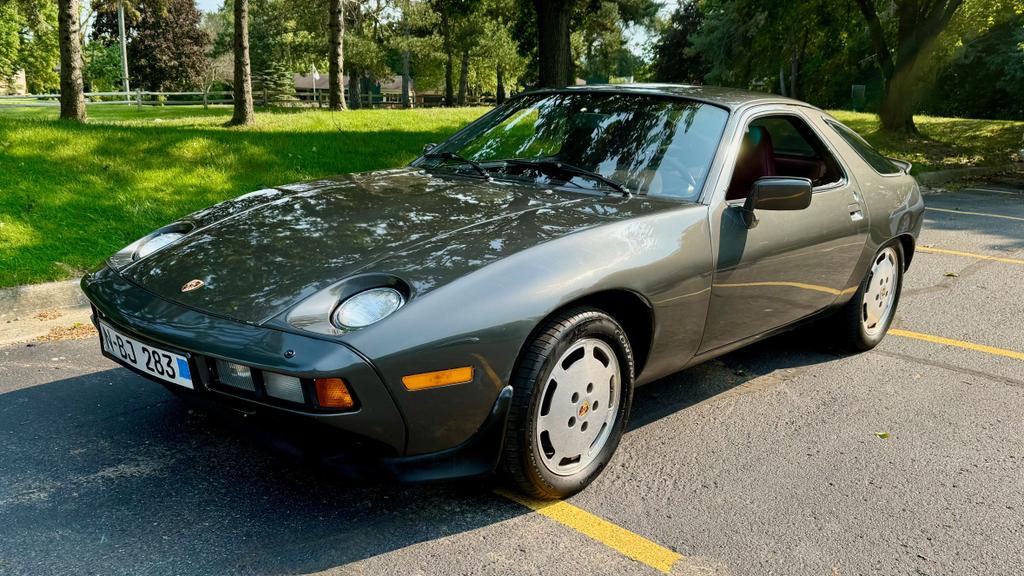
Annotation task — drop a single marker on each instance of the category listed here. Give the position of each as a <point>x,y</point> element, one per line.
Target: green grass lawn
<point>943,143</point>
<point>70,195</point>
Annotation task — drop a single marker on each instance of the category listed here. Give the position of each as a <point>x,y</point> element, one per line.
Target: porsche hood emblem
<point>193,285</point>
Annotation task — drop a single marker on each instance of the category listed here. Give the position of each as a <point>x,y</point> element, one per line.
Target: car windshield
<point>646,144</point>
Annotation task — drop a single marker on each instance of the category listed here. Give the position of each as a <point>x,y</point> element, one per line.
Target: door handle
<point>856,214</point>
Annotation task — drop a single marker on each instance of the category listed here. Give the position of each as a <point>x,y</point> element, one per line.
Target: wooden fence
<point>302,98</point>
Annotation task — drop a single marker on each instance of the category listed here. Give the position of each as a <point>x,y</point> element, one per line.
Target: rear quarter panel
<point>892,202</point>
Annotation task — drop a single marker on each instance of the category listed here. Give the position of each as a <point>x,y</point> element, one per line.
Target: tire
<point>863,321</point>
<point>577,345</point>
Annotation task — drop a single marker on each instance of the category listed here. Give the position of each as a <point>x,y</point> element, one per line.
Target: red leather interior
<point>811,168</point>
<point>756,159</point>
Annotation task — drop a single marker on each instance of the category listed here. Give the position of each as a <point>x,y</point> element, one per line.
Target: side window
<point>781,146</point>
<point>880,163</point>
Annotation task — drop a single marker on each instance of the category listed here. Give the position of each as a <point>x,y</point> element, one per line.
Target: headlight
<point>367,307</point>
<point>156,243</point>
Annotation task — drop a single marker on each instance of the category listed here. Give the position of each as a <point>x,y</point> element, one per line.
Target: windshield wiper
<point>456,157</point>
<point>564,168</point>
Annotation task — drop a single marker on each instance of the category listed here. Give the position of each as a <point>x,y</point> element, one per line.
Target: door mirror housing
<point>776,193</point>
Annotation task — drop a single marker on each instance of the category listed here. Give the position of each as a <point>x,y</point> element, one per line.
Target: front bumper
<point>375,427</point>
<point>204,337</point>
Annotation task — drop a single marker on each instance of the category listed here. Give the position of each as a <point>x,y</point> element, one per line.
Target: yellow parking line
<point>929,250</point>
<point>611,535</point>
<point>958,343</point>
<point>1003,216</point>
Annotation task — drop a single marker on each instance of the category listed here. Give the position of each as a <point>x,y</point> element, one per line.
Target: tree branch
<point>878,41</point>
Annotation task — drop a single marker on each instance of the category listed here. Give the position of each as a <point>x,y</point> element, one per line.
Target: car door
<point>791,263</point>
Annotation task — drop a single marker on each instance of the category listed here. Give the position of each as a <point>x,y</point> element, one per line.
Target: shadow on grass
<point>945,143</point>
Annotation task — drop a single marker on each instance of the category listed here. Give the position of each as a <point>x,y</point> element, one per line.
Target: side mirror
<point>776,193</point>
<point>428,147</point>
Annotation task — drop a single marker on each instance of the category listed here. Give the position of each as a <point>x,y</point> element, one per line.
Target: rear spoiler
<point>902,164</point>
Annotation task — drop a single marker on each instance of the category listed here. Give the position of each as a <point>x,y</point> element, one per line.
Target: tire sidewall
<point>871,340</point>
<point>593,325</point>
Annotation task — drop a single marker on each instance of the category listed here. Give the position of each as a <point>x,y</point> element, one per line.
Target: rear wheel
<point>863,321</point>
<point>573,390</point>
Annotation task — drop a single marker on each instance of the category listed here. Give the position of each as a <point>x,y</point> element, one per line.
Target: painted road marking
<point>958,343</point>
<point>1013,192</point>
<point>930,250</point>
<point>611,535</point>
<point>1003,216</point>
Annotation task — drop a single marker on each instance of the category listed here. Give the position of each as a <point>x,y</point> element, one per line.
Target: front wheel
<point>572,393</point>
<point>863,321</point>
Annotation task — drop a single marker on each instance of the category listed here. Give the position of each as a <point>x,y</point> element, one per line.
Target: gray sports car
<point>493,305</point>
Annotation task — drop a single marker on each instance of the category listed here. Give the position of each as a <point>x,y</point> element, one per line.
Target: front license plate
<point>145,358</point>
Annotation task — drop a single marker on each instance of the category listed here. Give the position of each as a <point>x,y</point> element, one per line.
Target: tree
<point>102,70</point>
<point>556,19</point>
<point>72,90</point>
<point>676,59</point>
<point>993,60</point>
<point>553,43</point>
<point>902,56</point>
<point>166,42</point>
<point>243,114</point>
<point>10,41</point>
<point>336,99</point>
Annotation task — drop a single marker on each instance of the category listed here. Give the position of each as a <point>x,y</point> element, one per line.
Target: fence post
<point>206,101</point>
<point>139,98</point>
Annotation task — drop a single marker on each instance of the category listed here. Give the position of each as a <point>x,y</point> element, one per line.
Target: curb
<point>940,177</point>
<point>30,299</point>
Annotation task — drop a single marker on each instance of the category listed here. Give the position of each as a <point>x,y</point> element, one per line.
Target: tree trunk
<point>336,97</point>
<point>499,98</point>
<point>794,70</point>
<point>72,90</point>
<point>244,114</point>
<point>898,102</point>
<point>918,29</point>
<point>406,79</point>
<point>449,58</point>
<point>354,100</point>
<point>464,77</point>
<point>449,84</point>
<point>554,48</point>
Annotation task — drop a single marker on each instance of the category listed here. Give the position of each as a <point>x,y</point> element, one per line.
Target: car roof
<point>730,98</point>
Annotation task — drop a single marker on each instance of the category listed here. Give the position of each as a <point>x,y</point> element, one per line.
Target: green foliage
<point>985,78</point>
<point>28,41</point>
<point>676,59</point>
<point>166,42</point>
<point>10,41</point>
<point>599,42</point>
<point>102,71</point>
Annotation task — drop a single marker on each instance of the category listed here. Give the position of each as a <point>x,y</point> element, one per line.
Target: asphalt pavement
<point>785,458</point>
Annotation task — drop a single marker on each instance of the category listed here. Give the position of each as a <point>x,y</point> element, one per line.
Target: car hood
<point>265,252</point>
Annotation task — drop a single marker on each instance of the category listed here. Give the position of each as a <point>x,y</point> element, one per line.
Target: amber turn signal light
<point>333,393</point>
<point>439,378</point>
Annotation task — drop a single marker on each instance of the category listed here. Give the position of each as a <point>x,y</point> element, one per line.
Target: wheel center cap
<point>584,408</point>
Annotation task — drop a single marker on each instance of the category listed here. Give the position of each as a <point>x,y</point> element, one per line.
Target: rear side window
<point>880,163</point>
